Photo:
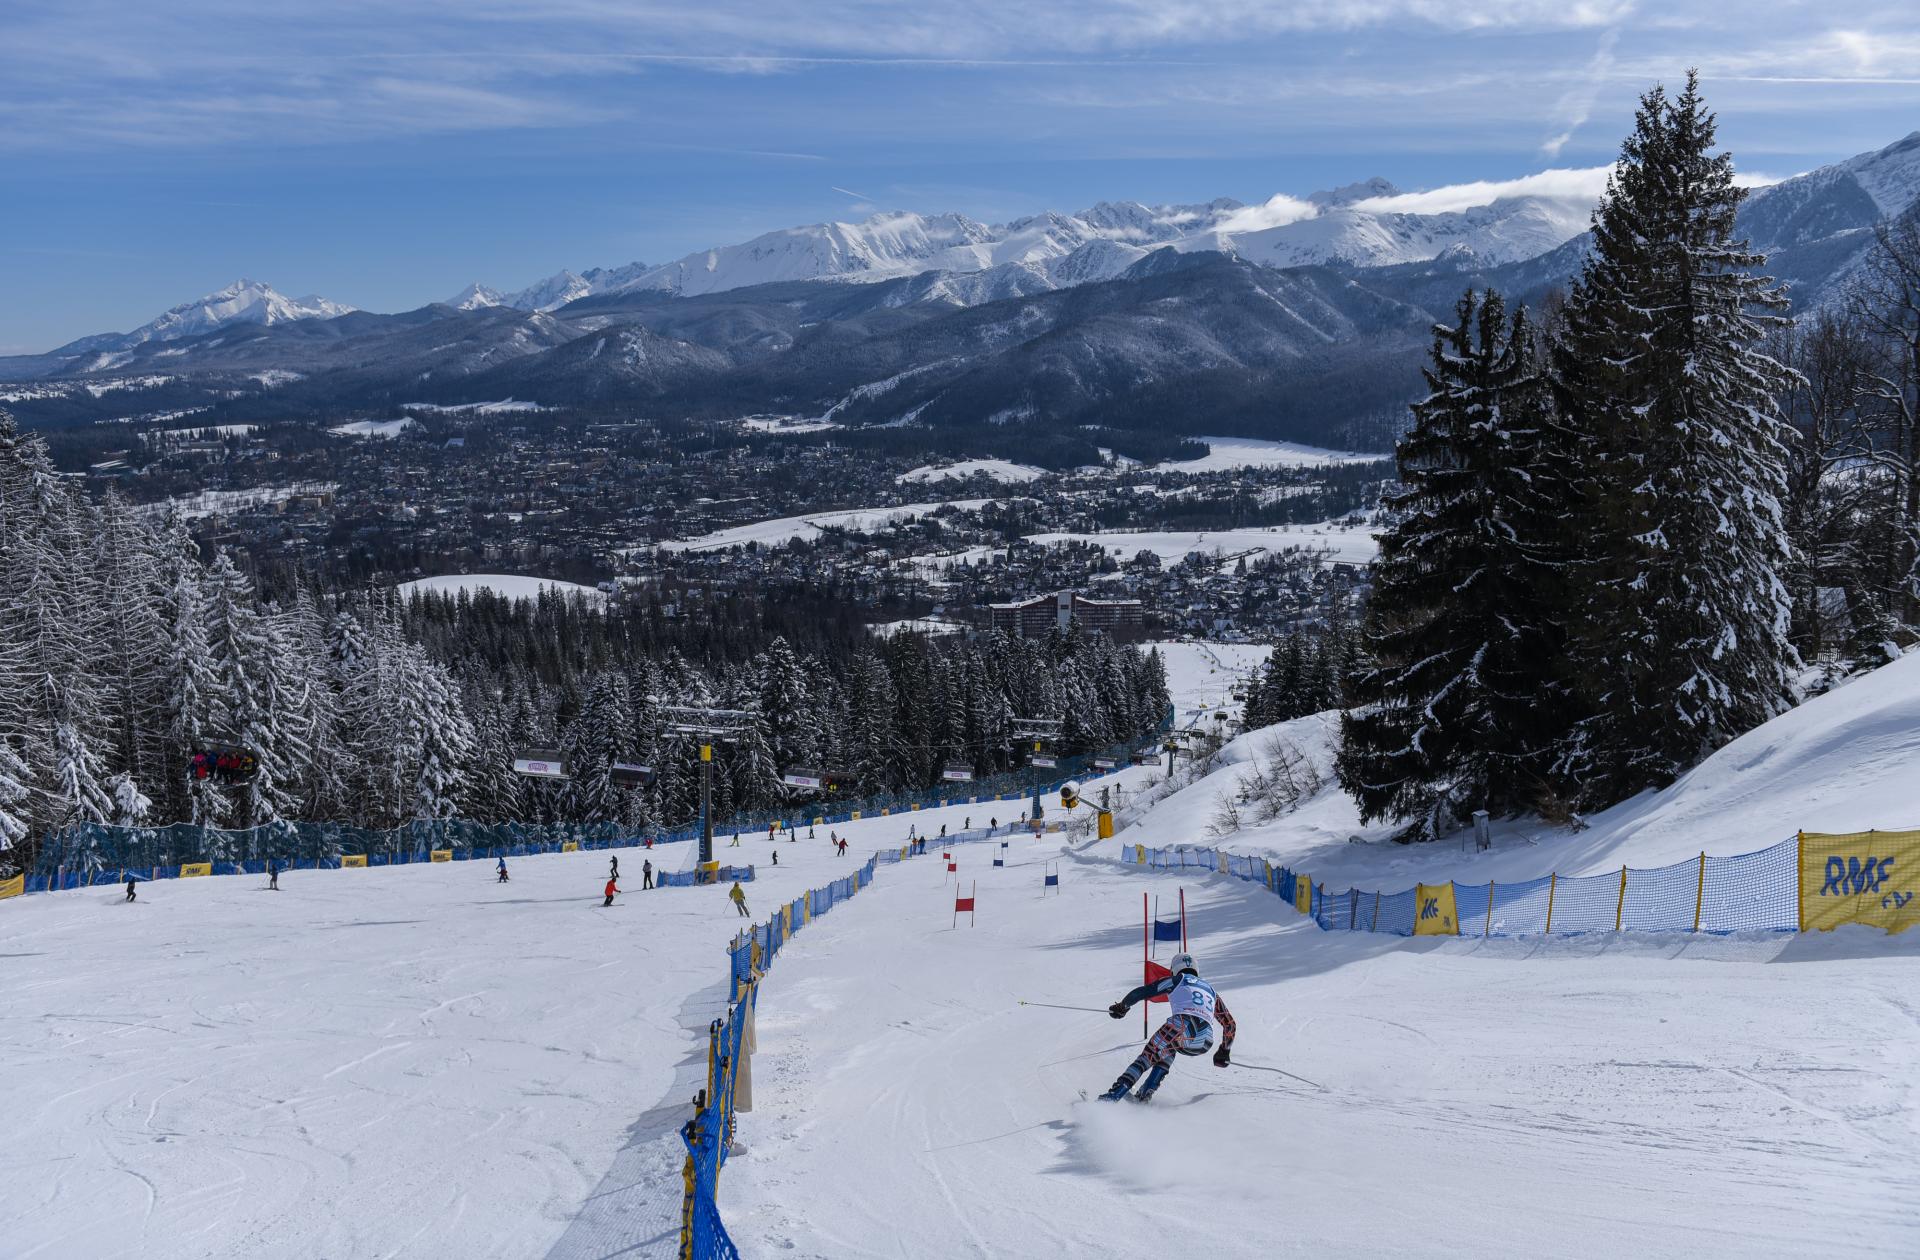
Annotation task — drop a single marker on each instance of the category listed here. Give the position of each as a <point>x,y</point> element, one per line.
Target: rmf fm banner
<point>1864,877</point>
<point>13,887</point>
<point>1436,913</point>
<point>1303,894</point>
<point>195,870</point>
<point>352,860</point>
<point>443,855</point>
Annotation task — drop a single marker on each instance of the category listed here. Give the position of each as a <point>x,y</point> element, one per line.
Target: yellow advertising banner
<point>353,859</point>
<point>1303,894</point>
<point>819,822</point>
<point>1870,877</point>
<point>855,815</point>
<point>194,870</point>
<point>443,855</point>
<point>1435,913</point>
<point>1139,855</point>
<point>13,887</point>
<point>569,846</point>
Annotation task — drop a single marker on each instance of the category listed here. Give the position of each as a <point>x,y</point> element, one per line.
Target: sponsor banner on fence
<point>1303,894</point>
<point>1438,915</point>
<point>13,887</point>
<point>443,855</point>
<point>194,870</point>
<point>1870,877</point>
<point>570,846</point>
<point>353,859</point>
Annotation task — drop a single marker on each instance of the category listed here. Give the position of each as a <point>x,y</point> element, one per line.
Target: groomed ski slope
<point>1588,1097</point>
<point>406,1061</point>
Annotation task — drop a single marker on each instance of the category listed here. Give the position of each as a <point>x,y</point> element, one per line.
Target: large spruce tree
<point>1456,711</point>
<point>1681,633</point>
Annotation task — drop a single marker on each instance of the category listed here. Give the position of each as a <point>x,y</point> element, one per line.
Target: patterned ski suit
<point>1193,1010</point>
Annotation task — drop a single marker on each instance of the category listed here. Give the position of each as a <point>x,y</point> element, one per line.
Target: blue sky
<point>385,154</point>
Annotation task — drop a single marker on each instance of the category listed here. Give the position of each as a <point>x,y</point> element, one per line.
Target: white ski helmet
<point>1182,962</point>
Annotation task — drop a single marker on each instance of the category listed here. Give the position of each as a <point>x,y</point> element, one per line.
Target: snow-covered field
<point>1202,674</point>
<point>420,1062</point>
<point>497,407</point>
<point>371,428</point>
<point>218,502</point>
<point>508,585</point>
<point>1002,470</point>
<point>781,529</point>
<point>1228,453</point>
<point>1340,543</point>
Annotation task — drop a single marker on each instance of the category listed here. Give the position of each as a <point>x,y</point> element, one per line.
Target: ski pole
<point>1097,1010</point>
<point>1257,1067</point>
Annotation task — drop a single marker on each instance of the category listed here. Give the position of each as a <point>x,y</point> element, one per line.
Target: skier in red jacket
<point>612,888</point>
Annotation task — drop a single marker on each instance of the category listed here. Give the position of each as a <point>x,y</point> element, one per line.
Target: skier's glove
<point>1118,1010</point>
<point>1222,1057</point>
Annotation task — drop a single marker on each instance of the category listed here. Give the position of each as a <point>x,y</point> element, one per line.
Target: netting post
<point>1620,907</point>
<point>1553,880</point>
<point>1488,930</point>
<point>1700,891</point>
<point>1375,925</point>
<point>1799,877</point>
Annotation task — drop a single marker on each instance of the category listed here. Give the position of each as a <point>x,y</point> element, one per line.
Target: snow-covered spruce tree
<point>1457,711</point>
<point>194,700</point>
<point>1678,641</point>
<point>14,777</point>
<point>253,666</point>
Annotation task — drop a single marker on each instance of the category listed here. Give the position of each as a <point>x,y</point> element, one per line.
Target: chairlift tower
<point>706,727</point>
<point>1039,732</point>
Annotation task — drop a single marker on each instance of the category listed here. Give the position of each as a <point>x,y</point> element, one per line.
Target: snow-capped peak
<point>242,302</point>
<point>475,296</point>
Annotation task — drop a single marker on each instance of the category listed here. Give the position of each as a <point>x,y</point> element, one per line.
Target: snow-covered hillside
<point>1840,762</point>
<point>420,1061</point>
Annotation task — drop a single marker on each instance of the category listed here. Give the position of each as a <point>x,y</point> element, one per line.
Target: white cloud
<point>1276,211</point>
<point>1570,183</point>
<point>1576,105</point>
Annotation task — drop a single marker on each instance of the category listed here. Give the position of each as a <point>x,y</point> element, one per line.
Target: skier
<point>943,831</point>
<point>993,825</point>
<point>1193,1008</point>
<point>273,874</point>
<point>646,874</point>
<point>739,899</point>
<point>502,870</point>
<point>614,871</point>
<point>130,893</point>
<point>809,831</point>
<point>612,888</point>
<point>776,857</point>
<point>736,841</point>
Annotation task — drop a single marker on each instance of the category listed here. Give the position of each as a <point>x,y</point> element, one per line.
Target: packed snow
<point>506,585</point>
<point>996,469</point>
<point>418,1060</point>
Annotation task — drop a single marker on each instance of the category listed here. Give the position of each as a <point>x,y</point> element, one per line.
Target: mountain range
<point>1299,319</point>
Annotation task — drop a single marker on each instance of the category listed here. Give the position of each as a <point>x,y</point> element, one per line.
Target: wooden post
<point>1620,907</point>
<point>1700,892</point>
<point>1375,925</point>
<point>1799,878</point>
<point>1553,882</point>
<point>1488,930</point>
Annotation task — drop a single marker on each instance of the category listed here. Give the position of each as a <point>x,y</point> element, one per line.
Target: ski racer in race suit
<point>1194,1009</point>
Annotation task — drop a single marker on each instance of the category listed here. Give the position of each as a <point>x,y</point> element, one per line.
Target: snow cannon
<point>1069,794</point>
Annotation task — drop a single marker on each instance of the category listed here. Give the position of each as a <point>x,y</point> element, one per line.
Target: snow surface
<point>1342,543</point>
<point>998,469</point>
<point>507,585</point>
<point>1201,675</point>
<point>1228,453</point>
<point>785,528</point>
<point>371,428</point>
<point>419,1061</point>
<point>399,1061</point>
<point>480,408</point>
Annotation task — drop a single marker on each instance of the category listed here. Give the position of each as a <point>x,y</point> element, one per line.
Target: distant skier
<point>501,870</point>
<point>776,857</point>
<point>273,874</point>
<point>809,831</point>
<point>736,841</point>
<point>739,897</point>
<point>130,893</point>
<point>646,874</point>
<point>612,888</point>
<point>1193,1009</point>
<point>613,872</point>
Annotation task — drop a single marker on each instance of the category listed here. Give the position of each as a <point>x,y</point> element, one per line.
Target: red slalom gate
<point>964,904</point>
